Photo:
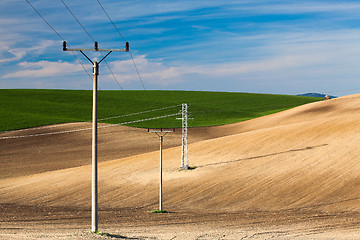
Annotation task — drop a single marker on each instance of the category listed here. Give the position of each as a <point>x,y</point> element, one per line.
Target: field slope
<point>24,108</point>
<point>302,158</point>
<point>290,175</point>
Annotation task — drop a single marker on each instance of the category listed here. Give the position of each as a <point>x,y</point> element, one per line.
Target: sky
<point>278,46</point>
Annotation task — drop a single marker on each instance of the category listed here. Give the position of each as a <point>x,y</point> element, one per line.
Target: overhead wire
<point>77,20</point>
<point>111,20</point>
<point>82,26</point>
<point>91,37</point>
<point>132,58</point>
<point>137,70</point>
<point>112,73</point>
<point>127,122</point>
<point>87,129</point>
<point>102,119</point>
<point>132,114</point>
<point>44,127</point>
<point>58,34</point>
<point>44,20</point>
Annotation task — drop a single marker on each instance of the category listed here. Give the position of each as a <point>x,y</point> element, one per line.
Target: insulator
<point>64,45</point>
<point>127,46</point>
<point>96,46</point>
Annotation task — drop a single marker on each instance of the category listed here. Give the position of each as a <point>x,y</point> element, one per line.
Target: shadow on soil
<point>116,236</point>
<point>263,156</point>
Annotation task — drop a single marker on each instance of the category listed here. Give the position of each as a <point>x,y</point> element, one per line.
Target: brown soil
<point>291,175</point>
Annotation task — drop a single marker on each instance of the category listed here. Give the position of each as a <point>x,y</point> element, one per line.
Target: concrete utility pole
<point>161,133</point>
<point>94,181</point>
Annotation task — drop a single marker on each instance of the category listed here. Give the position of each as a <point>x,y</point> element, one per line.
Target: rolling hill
<point>25,108</point>
<point>305,158</point>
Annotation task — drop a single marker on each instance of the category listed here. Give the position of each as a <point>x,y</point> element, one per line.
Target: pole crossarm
<point>86,57</point>
<point>99,50</point>
<point>164,130</point>
<point>96,49</point>
<point>161,132</point>
<point>105,57</point>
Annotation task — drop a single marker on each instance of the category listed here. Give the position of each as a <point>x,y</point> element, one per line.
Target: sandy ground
<point>21,222</point>
<point>291,175</point>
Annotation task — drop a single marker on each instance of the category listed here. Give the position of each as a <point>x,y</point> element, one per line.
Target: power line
<point>111,20</point>
<point>45,134</point>
<point>112,73</point>
<point>45,20</point>
<point>83,67</point>
<point>43,127</point>
<point>132,114</point>
<point>132,58</point>
<point>123,123</point>
<point>147,119</point>
<point>75,123</point>
<point>138,113</point>
<point>78,20</point>
<point>87,129</point>
<point>82,26</point>
<point>58,34</point>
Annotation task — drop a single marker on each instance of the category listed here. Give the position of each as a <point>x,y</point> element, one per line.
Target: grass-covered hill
<point>23,108</point>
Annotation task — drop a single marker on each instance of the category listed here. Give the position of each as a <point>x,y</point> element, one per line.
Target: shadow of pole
<point>262,156</point>
<point>116,236</point>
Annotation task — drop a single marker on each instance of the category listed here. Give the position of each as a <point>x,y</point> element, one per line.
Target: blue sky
<point>282,47</point>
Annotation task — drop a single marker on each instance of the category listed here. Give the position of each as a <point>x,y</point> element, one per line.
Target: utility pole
<point>161,133</point>
<point>184,145</point>
<point>94,162</point>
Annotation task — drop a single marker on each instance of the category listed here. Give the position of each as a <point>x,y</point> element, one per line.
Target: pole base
<point>160,211</point>
<point>187,168</point>
<point>184,168</point>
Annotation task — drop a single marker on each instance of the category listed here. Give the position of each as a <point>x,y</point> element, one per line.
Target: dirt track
<point>294,174</point>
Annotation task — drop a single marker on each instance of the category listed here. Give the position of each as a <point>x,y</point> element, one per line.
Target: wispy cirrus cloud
<point>9,53</point>
<point>265,46</point>
<point>309,7</point>
<point>306,60</point>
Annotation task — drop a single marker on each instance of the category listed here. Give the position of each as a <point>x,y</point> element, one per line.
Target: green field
<point>24,108</point>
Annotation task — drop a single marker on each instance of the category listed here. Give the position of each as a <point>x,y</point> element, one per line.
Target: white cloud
<point>312,7</point>
<point>152,71</point>
<point>274,44</point>
<point>307,57</point>
<point>124,10</point>
<point>10,54</point>
<point>44,69</point>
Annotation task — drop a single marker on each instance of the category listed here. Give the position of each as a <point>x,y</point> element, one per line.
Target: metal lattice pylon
<point>184,148</point>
